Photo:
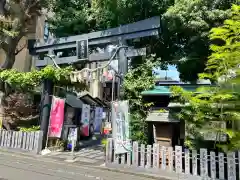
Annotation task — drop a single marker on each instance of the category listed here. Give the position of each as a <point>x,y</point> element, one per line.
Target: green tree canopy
<point>185,25</point>
<point>221,102</point>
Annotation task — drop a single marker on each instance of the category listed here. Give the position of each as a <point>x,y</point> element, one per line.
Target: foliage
<point>77,17</point>
<point>136,81</point>
<point>31,129</point>
<point>221,102</point>
<point>17,20</point>
<point>17,101</point>
<point>27,81</point>
<point>184,32</point>
<point>189,23</point>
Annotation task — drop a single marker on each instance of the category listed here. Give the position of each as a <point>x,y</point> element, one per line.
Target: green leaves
<point>136,81</point>
<point>29,80</point>
<point>219,103</point>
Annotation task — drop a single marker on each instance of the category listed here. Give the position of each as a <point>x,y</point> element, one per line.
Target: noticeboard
<point>120,126</point>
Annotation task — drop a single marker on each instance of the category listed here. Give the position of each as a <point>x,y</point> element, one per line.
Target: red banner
<point>56,117</point>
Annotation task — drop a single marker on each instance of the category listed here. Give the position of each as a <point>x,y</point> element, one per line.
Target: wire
<point>52,58</point>
<point>110,60</point>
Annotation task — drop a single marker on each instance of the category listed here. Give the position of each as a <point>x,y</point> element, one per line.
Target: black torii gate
<point>75,50</point>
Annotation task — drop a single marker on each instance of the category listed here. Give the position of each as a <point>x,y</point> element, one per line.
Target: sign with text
<point>56,117</point>
<point>82,49</point>
<point>98,119</point>
<point>85,119</point>
<point>120,126</point>
<point>72,136</point>
<point>210,131</point>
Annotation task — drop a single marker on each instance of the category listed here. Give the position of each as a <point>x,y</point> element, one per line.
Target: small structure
<point>73,110</point>
<point>167,130</point>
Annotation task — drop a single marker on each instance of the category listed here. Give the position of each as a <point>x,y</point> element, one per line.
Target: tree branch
<point>20,49</point>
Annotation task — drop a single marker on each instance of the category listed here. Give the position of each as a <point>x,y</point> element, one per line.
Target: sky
<point>171,72</point>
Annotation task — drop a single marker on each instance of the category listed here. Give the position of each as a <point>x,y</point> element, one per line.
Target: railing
<point>26,141</point>
<point>176,163</point>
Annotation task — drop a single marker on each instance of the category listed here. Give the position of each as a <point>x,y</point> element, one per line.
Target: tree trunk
<point>3,118</point>
<point>10,54</point>
<point>8,64</point>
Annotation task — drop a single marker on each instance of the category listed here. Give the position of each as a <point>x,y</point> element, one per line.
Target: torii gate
<point>79,51</point>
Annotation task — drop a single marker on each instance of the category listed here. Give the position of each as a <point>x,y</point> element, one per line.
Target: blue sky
<point>171,72</point>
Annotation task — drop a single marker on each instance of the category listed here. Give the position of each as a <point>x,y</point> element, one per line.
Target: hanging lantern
<point>105,71</point>
<point>73,77</point>
<point>94,75</point>
<point>85,74</point>
<point>89,78</point>
<point>79,76</point>
<point>110,75</point>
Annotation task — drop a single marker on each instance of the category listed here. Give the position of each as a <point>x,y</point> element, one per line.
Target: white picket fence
<point>27,141</point>
<point>176,163</point>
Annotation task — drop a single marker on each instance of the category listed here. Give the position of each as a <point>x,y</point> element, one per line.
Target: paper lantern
<point>73,77</point>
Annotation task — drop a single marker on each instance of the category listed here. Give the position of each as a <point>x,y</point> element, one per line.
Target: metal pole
<point>113,87</point>
<point>45,108</point>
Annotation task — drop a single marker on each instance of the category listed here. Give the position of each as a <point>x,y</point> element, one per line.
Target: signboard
<point>72,136</point>
<point>85,119</point>
<point>210,133</point>
<point>56,117</point>
<point>82,49</point>
<point>98,119</point>
<point>120,126</point>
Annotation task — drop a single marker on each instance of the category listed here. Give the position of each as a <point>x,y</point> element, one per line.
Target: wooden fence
<point>176,163</point>
<point>26,141</point>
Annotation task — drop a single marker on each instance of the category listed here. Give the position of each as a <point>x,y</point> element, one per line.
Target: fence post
<point>149,156</point>
<point>170,158</point>
<point>135,153</point>
<point>142,161</point>
<point>194,163</point>
<point>20,138</point>
<point>231,166</point>
<point>24,140</point>
<point>187,161</point>
<point>213,165</point>
<point>163,157</point>
<point>31,141</point>
<point>108,150</point>
<point>38,141</point>
<point>203,163</point>
<point>9,137</point>
<point>129,158</point>
<point>5,138</point>
<point>2,137</point>
<point>178,159</point>
<point>221,166</point>
<point>239,165</point>
<point>156,157</point>
<point>13,139</point>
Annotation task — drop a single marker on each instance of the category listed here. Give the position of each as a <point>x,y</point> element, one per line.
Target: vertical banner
<point>56,117</point>
<point>98,119</point>
<point>85,119</point>
<point>120,126</point>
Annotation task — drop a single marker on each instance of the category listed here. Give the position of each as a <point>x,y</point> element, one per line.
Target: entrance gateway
<point>81,49</point>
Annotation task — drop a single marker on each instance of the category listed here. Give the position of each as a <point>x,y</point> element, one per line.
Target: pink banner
<point>56,117</point>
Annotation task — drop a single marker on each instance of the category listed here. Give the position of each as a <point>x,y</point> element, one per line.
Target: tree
<point>76,17</point>
<point>136,81</point>
<point>20,17</point>
<point>190,22</point>
<point>221,102</point>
